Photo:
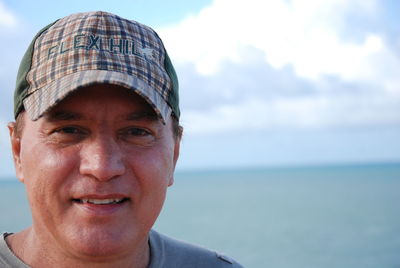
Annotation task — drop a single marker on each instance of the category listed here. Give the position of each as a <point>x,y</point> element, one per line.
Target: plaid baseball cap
<point>90,48</point>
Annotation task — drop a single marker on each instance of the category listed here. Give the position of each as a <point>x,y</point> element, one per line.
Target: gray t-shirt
<point>165,252</point>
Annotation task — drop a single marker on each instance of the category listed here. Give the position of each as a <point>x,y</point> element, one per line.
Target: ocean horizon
<point>281,217</point>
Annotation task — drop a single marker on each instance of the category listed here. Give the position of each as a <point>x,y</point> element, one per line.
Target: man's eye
<point>65,135</point>
<point>137,136</point>
<point>137,132</point>
<point>70,130</point>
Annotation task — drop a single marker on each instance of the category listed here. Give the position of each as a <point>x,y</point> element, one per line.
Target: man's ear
<point>176,156</point>
<point>16,150</point>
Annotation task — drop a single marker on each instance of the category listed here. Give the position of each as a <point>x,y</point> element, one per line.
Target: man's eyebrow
<point>147,115</point>
<point>62,116</point>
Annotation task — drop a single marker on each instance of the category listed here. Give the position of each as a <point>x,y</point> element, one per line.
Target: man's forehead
<point>66,115</point>
<point>73,106</point>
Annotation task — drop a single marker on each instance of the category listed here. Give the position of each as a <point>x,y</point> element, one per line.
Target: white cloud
<point>7,18</point>
<point>303,34</point>
<point>305,44</point>
<point>289,113</point>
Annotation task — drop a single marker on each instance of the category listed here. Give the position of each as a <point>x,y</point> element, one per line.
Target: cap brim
<point>45,98</point>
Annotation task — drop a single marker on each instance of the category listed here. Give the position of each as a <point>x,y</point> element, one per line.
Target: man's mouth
<point>108,201</point>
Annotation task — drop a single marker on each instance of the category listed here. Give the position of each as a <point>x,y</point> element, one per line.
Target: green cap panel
<point>173,97</point>
<point>22,85</point>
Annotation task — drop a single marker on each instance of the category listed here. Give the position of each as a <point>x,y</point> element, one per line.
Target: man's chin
<point>97,242</point>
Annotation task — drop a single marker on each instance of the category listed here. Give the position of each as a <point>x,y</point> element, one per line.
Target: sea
<point>333,216</point>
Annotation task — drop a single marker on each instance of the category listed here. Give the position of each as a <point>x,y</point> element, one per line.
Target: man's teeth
<point>101,201</point>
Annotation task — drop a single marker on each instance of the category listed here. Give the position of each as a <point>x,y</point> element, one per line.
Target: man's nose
<point>102,159</point>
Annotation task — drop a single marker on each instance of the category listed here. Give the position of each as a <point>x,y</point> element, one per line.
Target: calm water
<point>346,216</point>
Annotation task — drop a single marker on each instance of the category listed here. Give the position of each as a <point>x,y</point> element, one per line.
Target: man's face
<point>96,170</point>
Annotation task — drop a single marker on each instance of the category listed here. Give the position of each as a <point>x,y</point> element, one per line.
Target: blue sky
<point>263,83</point>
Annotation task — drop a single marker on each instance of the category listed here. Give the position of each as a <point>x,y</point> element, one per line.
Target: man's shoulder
<point>170,252</point>
<point>7,258</point>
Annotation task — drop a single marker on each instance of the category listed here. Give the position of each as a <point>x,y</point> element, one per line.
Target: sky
<point>262,83</point>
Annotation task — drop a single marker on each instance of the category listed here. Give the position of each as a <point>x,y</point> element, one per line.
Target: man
<point>95,142</point>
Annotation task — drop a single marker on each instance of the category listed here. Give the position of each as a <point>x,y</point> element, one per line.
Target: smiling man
<point>95,142</point>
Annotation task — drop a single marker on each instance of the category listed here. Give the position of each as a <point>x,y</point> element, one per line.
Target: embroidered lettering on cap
<point>93,42</point>
<point>111,45</point>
